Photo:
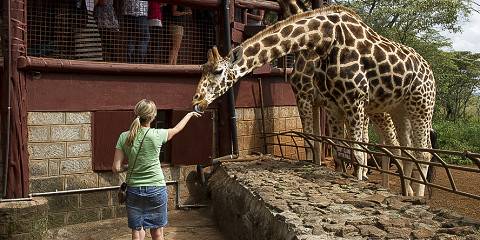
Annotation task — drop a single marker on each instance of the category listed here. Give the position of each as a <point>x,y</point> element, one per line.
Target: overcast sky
<point>469,38</point>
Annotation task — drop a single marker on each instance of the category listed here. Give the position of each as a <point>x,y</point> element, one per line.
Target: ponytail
<point>145,111</point>
<point>133,132</point>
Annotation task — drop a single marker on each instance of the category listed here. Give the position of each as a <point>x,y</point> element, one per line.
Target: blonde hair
<point>145,111</point>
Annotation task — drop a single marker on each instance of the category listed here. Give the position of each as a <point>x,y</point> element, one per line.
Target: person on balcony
<point>137,30</point>
<point>109,28</point>
<point>177,27</point>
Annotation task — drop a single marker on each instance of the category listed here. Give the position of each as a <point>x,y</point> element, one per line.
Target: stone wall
<point>60,158</point>
<point>23,219</point>
<point>277,119</point>
<point>270,198</point>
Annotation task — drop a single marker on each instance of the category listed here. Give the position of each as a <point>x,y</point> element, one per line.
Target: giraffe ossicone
<point>363,73</point>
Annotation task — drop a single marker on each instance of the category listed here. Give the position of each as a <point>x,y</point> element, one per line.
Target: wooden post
<point>18,170</point>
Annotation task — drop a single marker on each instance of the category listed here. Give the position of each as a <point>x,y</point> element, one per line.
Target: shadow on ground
<point>195,224</point>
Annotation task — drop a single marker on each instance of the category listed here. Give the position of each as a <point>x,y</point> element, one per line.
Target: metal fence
<point>115,31</point>
<point>297,142</point>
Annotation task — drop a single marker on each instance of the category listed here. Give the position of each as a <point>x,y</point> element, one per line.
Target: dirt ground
<point>465,181</point>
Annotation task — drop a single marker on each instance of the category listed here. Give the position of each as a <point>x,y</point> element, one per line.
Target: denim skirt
<point>147,207</point>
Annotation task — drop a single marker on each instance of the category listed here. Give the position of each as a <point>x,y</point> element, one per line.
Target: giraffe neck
<point>292,38</point>
<point>310,30</point>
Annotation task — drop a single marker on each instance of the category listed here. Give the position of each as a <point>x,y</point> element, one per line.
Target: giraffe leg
<point>308,110</point>
<point>316,131</point>
<point>305,106</point>
<point>365,140</point>
<point>337,130</point>
<point>403,129</point>
<point>305,110</point>
<point>386,129</point>
<point>356,123</point>
<point>420,139</point>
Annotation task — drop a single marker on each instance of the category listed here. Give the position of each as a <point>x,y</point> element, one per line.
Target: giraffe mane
<point>277,26</point>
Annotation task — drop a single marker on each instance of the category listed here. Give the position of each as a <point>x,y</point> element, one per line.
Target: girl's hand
<point>195,114</point>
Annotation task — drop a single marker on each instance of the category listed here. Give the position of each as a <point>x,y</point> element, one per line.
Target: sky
<point>469,38</point>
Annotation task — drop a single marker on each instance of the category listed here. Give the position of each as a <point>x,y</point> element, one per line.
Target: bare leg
<point>157,233</point>
<point>138,234</point>
<point>177,35</point>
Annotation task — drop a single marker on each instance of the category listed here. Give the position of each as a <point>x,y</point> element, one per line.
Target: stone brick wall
<point>277,119</point>
<point>60,158</point>
<point>23,219</point>
<point>60,155</point>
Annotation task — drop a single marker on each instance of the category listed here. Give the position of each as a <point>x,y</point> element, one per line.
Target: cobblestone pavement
<point>183,225</point>
<point>317,203</point>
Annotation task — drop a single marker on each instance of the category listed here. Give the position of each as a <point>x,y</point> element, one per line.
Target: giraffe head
<point>219,74</point>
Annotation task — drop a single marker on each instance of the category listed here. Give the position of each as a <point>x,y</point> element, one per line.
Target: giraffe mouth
<point>200,106</point>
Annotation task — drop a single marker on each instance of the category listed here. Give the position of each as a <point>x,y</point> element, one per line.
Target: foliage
<point>458,136</point>
<point>457,84</point>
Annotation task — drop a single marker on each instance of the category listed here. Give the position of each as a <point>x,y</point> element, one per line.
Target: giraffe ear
<point>216,55</point>
<point>210,56</point>
<point>236,55</point>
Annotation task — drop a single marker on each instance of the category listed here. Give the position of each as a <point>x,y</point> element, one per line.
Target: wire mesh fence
<point>2,31</point>
<point>125,31</point>
<point>377,154</point>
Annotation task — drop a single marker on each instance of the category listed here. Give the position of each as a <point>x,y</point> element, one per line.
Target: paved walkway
<point>195,224</point>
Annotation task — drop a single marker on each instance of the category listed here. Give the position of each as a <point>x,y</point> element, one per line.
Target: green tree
<point>458,84</point>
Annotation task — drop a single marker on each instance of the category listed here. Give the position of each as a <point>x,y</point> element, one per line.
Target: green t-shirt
<point>148,171</point>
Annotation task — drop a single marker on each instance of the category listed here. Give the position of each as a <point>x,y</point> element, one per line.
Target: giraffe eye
<point>218,71</point>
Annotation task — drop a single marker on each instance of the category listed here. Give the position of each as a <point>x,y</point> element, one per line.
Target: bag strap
<point>136,156</point>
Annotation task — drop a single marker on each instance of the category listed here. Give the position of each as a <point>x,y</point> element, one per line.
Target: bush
<point>453,136</point>
<point>458,136</point>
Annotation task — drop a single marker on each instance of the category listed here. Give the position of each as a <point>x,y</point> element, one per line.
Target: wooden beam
<point>61,65</point>
<point>196,3</point>
<point>266,5</point>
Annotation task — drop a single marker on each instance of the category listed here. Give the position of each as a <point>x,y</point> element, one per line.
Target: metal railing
<point>376,151</point>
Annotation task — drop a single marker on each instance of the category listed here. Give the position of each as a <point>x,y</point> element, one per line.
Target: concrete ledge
<point>276,199</point>
<point>24,219</point>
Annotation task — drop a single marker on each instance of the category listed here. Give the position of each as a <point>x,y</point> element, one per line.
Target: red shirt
<point>155,9</point>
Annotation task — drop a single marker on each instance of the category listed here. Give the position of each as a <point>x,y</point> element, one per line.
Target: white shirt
<point>136,8</point>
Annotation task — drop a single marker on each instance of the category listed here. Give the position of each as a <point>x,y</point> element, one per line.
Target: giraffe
<point>303,85</point>
<point>366,73</point>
